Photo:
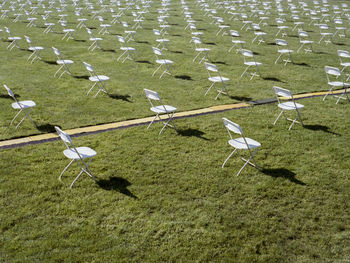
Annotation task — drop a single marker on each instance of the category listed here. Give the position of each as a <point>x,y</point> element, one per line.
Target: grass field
<point>166,198</point>
<point>64,101</point>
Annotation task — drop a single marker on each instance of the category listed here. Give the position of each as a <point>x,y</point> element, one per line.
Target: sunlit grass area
<point>64,101</point>
<point>166,198</point>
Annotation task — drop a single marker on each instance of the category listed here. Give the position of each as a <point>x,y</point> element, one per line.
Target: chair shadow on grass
<point>81,77</point>
<point>192,133</point>
<point>120,97</point>
<point>302,64</point>
<point>316,127</point>
<point>117,184</point>
<point>47,127</point>
<point>209,43</point>
<point>272,79</point>
<point>282,173</point>
<point>184,77</point>
<point>3,96</point>
<point>240,98</point>
<point>219,62</point>
<point>109,50</point>
<point>176,51</point>
<point>143,62</point>
<point>50,62</point>
<point>142,42</point>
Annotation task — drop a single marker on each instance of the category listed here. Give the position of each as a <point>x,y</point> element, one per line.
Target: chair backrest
<point>303,34</point>
<point>156,32</point>
<point>247,53</point>
<point>343,53</point>
<point>332,71</point>
<point>234,33</point>
<point>233,127</point>
<point>152,95</point>
<point>281,42</point>
<point>56,51</point>
<point>91,70</point>
<point>9,91</point>
<point>196,40</point>
<point>157,51</point>
<point>29,41</point>
<point>121,39</point>
<point>211,67</point>
<point>280,92</point>
<point>64,136</point>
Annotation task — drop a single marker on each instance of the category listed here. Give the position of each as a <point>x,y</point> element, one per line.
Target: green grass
<point>167,199</point>
<point>64,101</point>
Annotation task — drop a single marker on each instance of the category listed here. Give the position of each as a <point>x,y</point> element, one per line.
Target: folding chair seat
<point>236,41</point>
<point>95,40</point>
<point>249,61</point>
<point>34,49</point>
<point>14,40</point>
<point>81,155</point>
<point>158,107</point>
<point>216,79</point>
<point>240,144</point>
<point>304,40</point>
<point>287,105</point>
<point>128,51</point>
<point>81,22</point>
<point>335,80</point>
<point>25,106</point>
<point>202,52</point>
<point>162,62</point>
<point>98,80</point>
<point>283,49</point>
<point>162,42</point>
<point>64,63</point>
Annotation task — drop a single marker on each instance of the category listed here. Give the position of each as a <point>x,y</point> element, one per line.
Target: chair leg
<point>156,70</point>
<point>245,71</point>
<point>278,58</point>
<point>65,169</point>
<point>157,116</point>
<point>228,158</point>
<point>329,92</point>
<point>279,115</point>
<point>58,70</point>
<point>213,83</point>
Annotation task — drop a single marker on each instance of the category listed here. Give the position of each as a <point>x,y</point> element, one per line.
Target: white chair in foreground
<point>335,80</point>
<point>95,40</point>
<point>97,79</point>
<point>304,40</point>
<point>202,52</point>
<point>236,40</point>
<point>344,58</point>
<point>160,108</point>
<point>283,49</point>
<point>287,105</point>
<point>249,61</point>
<point>14,40</point>
<point>65,63</point>
<point>26,106</point>
<point>162,62</point>
<point>128,51</point>
<point>34,49</point>
<point>242,143</point>
<point>216,79</point>
<point>78,154</point>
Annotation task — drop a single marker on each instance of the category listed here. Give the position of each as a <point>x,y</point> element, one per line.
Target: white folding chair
<point>344,58</point>
<point>65,63</point>
<point>34,49</point>
<point>95,40</point>
<point>216,79</point>
<point>162,42</point>
<point>129,34</point>
<point>128,51</point>
<point>99,80</point>
<point>68,32</point>
<point>162,62</point>
<point>236,41</point>
<point>158,107</point>
<point>282,29</point>
<point>249,61</point>
<point>326,36</point>
<point>242,143</point>
<point>259,34</point>
<point>78,154</point>
<point>304,40</point>
<point>283,49</point>
<point>202,52</point>
<point>26,106</point>
<point>14,40</point>
<point>284,94</point>
<point>333,74</point>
